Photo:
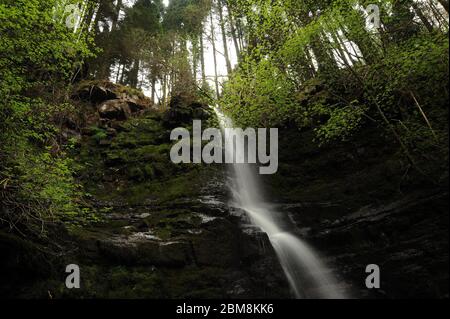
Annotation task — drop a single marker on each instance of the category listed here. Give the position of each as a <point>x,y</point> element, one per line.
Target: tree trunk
<point>422,16</point>
<point>224,36</point>
<point>239,35</point>
<point>325,61</point>
<point>202,58</point>
<point>195,57</point>
<point>444,3</point>
<point>122,75</point>
<point>88,16</point>
<point>311,69</point>
<point>440,17</point>
<point>340,49</point>
<point>164,93</point>
<point>153,88</point>
<point>353,57</point>
<point>213,42</point>
<point>118,73</point>
<point>116,15</point>
<point>233,31</point>
<point>134,73</point>
<point>98,16</point>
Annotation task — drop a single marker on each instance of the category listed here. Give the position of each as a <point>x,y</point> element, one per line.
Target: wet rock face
<point>408,240</point>
<point>182,111</point>
<point>218,245</point>
<point>161,230</point>
<point>141,250</point>
<point>168,225</point>
<point>359,204</point>
<point>181,243</point>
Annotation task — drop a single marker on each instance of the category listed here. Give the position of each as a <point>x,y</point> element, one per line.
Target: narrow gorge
<point>345,198</point>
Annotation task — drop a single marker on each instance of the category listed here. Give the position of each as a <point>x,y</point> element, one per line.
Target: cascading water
<point>306,274</point>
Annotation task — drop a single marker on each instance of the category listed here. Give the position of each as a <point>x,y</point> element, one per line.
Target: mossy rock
<point>99,90</point>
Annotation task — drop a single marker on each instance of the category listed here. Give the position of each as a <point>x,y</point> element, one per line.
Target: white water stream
<point>307,275</point>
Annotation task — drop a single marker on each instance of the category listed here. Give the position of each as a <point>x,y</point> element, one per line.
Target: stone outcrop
<point>182,112</point>
<point>112,101</point>
<point>359,203</point>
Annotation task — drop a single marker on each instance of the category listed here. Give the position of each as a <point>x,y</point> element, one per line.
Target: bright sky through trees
<point>208,53</point>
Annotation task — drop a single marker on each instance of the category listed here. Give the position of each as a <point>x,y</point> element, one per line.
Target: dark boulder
<point>114,110</point>
<point>218,245</point>
<point>183,111</point>
<point>95,94</point>
<point>112,101</point>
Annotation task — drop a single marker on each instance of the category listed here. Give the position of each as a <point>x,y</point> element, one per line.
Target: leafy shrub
<point>38,57</point>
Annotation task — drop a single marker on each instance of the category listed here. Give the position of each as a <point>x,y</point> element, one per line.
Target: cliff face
<point>160,230</point>
<point>361,203</point>
<point>166,230</point>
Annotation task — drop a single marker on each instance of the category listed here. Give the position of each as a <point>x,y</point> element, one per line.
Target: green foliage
<point>186,16</point>
<point>396,76</point>
<point>259,93</point>
<point>342,122</point>
<point>418,65</point>
<point>38,57</point>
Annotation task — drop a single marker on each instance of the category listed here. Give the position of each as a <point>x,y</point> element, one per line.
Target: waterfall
<point>308,277</point>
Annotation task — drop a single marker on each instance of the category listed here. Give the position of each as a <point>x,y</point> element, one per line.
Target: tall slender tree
<point>213,42</point>
<point>219,5</point>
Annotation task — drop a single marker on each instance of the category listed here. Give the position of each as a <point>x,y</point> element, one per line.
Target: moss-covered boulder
<point>111,101</point>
